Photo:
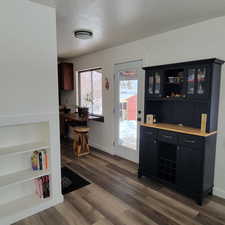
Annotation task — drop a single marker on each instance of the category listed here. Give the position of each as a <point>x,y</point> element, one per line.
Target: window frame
<point>79,88</point>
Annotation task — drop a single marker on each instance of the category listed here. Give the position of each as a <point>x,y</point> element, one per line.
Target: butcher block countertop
<point>179,129</point>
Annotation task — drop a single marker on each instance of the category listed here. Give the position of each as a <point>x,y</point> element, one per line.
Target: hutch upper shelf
<point>189,80</point>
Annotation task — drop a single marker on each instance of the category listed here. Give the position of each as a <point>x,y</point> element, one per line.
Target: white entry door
<point>129,92</point>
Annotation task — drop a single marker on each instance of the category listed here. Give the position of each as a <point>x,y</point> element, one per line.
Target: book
<point>46,186</point>
<point>46,160</point>
<point>35,160</point>
<point>42,187</point>
<point>39,160</point>
<point>43,160</point>
<point>37,188</point>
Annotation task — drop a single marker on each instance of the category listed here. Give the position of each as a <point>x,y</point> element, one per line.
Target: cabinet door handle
<point>189,141</point>
<point>154,141</point>
<point>167,136</point>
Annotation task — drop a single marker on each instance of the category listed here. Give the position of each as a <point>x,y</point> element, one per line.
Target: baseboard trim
<point>59,199</point>
<point>219,192</point>
<point>100,147</point>
<point>31,211</point>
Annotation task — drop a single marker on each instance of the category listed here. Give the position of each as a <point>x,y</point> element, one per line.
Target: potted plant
<point>83,110</point>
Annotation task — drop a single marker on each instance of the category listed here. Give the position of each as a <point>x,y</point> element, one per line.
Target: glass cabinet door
<point>191,81</point>
<point>201,81</point>
<point>151,85</point>
<point>197,82</point>
<point>157,83</point>
<point>154,84</point>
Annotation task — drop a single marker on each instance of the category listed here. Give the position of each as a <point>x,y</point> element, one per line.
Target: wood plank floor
<point>117,197</point>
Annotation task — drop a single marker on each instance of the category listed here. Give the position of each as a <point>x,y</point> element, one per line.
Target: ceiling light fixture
<point>83,34</point>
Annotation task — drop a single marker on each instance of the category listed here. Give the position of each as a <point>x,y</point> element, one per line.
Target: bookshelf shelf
<point>20,149</point>
<point>21,177</point>
<point>29,202</point>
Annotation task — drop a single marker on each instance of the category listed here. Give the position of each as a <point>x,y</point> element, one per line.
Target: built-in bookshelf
<point>24,148</point>
<point>18,180</point>
<point>26,203</point>
<point>21,177</point>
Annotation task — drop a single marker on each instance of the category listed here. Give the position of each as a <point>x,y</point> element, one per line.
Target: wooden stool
<point>80,144</point>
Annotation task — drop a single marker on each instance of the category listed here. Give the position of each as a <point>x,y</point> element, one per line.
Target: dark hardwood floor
<point>117,197</point>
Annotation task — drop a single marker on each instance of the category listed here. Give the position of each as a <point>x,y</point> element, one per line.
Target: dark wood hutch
<point>174,150</point>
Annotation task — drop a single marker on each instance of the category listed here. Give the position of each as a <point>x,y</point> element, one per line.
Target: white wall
<point>28,77</point>
<point>28,58</point>
<point>198,41</point>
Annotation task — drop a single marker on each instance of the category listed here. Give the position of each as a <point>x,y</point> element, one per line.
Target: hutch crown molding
<point>174,150</point>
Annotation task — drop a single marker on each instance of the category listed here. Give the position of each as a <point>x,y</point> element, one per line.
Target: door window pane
<point>128,87</point>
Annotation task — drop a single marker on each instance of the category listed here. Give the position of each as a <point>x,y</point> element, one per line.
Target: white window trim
<point>78,96</point>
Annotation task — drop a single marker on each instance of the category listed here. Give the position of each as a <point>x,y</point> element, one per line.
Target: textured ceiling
<point>119,21</point>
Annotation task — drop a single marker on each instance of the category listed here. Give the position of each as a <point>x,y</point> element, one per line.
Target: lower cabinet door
<point>189,169</point>
<point>149,156</point>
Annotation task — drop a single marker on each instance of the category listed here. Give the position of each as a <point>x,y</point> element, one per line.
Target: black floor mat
<point>71,181</point>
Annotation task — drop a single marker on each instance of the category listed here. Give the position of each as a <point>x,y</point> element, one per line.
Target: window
<point>90,90</point>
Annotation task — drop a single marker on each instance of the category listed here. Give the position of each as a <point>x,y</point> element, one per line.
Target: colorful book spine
<point>37,188</point>
<point>39,160</point>
<point>46,192</point>
<point>46,160</point>
<point>42,187</point>
<point>35,160</point>
<point>43,160</point>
